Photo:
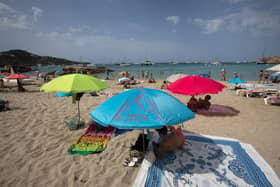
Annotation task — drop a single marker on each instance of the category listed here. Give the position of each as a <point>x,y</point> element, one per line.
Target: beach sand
<point>34,139</point>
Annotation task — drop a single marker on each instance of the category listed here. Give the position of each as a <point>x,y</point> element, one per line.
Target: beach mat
<point>94,140</point>
<point>218,110</point>
<point>207,161</point>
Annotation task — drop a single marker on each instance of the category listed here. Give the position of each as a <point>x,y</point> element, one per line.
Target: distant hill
<point>23,58</point>
<point>269,60</point>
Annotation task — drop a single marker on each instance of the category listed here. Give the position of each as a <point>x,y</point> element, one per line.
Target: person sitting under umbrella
<point>164,85</point>
<point>168,142</point>
<point>192,104</point>
<point>204,103</point>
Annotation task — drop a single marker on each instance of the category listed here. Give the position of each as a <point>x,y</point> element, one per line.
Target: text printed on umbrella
<point>139,108</point>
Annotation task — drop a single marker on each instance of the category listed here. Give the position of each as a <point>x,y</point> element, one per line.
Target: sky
<point>109,31</point>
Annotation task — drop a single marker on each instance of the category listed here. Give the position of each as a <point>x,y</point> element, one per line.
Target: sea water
<point>162,71</point>
<point>247,71</point>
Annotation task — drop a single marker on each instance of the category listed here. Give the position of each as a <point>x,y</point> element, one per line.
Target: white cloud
<point>254,21</point>
<point>14,22</point>
<point>37,12</point>
<point>173,19</point>
<point>6,8</point>
<point>12,19</point>
<point>78,29</point>
<point>209,26</point>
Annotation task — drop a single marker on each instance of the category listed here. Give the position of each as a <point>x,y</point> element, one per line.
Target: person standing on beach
<point>223,75</point>
<point>266,76</point>
<point>260,76</point>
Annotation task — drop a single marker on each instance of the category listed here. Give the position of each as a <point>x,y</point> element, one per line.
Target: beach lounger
<point>273,100</point>
<point>255,93</point>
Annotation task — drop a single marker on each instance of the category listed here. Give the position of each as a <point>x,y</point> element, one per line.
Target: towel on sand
<point>94,140</point>
<point>218,110</point>
<point>207,161</point>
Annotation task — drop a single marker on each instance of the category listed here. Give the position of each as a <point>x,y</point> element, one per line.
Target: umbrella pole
<point>78,112</point>
<point>143,138</point>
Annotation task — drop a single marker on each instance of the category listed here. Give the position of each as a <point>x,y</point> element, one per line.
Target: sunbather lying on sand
<point>168,142</point>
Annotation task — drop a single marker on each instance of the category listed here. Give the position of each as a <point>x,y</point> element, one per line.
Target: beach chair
<point>272,100</point>
<point>272,92</point>
<point>255,93</point>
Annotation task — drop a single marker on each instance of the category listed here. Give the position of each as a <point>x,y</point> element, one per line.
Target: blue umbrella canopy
<point>237,80</point>
<point>141,108</point>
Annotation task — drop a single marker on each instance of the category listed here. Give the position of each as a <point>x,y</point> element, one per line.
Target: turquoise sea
<point>248,71</point>
<point>161,71</point>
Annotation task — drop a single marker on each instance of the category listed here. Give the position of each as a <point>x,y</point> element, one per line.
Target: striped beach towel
<point>94,140</point>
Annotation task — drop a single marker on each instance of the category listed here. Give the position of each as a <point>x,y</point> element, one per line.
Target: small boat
<point>216,63</point>
<point>122,64</point>
<point>147,63</point>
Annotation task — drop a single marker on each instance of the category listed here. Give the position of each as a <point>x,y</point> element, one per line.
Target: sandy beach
<point>34,139</point>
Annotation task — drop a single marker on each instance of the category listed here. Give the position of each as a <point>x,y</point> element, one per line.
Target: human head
<point>207,97</point>
<point>164,82</point>
<point>261,70</point>
<point>162,131</point>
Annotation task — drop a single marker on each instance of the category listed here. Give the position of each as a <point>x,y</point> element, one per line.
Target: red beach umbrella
<point>5,73</point>
<point>17,76</point>
<point>195,85</point>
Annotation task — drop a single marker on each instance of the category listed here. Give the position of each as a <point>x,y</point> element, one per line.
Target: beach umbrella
<point>17,76</point>
<point>174,77</point>
<point>124,79</point>
<point>237,80</point>
<point>63,94</point>
<point>141,108</point>
<point>274,68</point>
<point>275,74</point>
<point>74,83</point>
<point>195,85</point>
<point>5,73</point>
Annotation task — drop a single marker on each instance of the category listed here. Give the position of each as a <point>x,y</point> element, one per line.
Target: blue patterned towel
<point>208,162</point>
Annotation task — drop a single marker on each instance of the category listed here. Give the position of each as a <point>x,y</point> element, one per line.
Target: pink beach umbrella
<point>17,76</point>
<point>5,73</point>
<point>195,85</point>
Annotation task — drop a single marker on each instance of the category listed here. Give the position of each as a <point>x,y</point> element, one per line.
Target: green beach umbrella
<point>75,83</point>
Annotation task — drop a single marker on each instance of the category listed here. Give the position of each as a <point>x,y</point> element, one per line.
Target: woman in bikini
<point>169,142</point>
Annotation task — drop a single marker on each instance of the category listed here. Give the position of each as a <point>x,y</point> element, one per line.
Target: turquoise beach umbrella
<point>237,80</point>
<point>141,108</point>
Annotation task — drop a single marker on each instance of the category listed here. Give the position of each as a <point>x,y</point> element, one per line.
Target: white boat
<point>147,63</point>
<point>216,63</point>
<point>123,64</point>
